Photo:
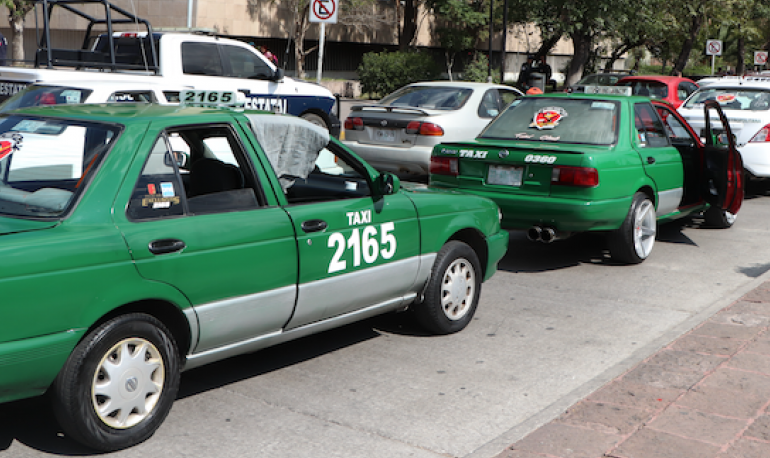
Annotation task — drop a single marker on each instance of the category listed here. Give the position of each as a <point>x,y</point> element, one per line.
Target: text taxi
<point>565,163</point>
<point>171,237</point>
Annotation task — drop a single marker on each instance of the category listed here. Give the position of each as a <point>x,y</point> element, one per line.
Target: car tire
<point>718,218</point>
<point>453,290</point>
<point>633,241</point>
<point>315,119</point>
<point>119,383</point>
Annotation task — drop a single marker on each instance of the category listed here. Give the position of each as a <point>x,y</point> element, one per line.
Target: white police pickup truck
<point>187,60</point>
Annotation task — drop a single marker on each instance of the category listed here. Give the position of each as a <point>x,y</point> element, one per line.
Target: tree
<point>17,10</point>
<point>463,24</point>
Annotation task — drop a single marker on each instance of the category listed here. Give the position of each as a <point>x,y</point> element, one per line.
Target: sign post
<point>323,11</point>
<point>713,49</point>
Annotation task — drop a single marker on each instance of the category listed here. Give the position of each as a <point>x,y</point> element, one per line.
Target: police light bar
<point>608,90</point>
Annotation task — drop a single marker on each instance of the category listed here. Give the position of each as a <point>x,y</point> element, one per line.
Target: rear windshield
<point>731,98</point>
<point>46,163</point>
<point>432,97</point>
<point>600,80</point>
<point>653,89</point>
<point>34,96</point>
<point>542,119</point>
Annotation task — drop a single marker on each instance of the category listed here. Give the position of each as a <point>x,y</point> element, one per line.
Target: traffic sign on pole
<point>324,11</point>
<point>760,57</point>
<point>713,47</point>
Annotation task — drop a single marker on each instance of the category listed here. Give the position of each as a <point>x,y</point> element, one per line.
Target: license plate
<point>505,175</point>
<point>386,135</point>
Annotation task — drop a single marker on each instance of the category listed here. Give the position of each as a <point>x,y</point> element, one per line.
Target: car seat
<point>209,176</point>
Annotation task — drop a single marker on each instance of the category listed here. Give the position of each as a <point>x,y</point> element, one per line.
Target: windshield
<point>45,163</point>
<point>653,89</point>
<point>34,96</point>
<point>432,97</point>
<point>731,98</point>
<point>542,119</point>
<point>600,79</point>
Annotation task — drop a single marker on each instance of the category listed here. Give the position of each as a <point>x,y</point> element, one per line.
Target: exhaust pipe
<point>547,235</point>
<point>535,233</point>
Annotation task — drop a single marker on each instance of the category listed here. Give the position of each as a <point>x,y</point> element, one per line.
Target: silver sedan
<point>398,133</point>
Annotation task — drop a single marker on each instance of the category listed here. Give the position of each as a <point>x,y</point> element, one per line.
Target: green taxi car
<point>141,240</point>
<point>567,163</point>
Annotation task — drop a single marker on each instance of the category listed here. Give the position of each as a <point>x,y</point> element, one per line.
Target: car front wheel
<point>118,384</point>
<point>452,293</point>
<point>718,218</point>
<point>633,241</point>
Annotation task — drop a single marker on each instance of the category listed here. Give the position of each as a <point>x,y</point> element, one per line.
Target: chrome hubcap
<point>458,289</point>
<point>645,228</point>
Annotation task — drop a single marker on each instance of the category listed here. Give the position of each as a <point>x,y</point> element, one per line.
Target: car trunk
<point>387,126</point>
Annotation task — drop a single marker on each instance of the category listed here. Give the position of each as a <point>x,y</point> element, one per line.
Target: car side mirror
<point>181,158</point>
<point>278,75</point>
<point>388,184</point>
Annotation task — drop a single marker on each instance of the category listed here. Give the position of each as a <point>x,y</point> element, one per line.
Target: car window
<point>490,104</point>
<point>685,89</point>
<point>557,120</point>
<point>245,64</point>
<point>507,97</point>
<point>34,96</point>
<point>732,98</point>
<point>335,176</point>
<point>432,97</point>
<point>201,59</point>
<point>133,96</point>
<point>649,127</point>
<point>194,171</point>
<point>653,89</point>
<point>674,127</point>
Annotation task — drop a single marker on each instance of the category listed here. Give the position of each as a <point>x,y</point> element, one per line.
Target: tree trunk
<point>17,39</point>
<point>581,43</point>
<point>740,68</point>
<point>684,54</point>
<point>409,29</point>
<point>300,30</point>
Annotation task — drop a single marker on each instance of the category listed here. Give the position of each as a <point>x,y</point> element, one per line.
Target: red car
<point>672,89</point>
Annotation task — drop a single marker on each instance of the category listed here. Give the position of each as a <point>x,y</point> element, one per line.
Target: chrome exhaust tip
<point>535,233</point>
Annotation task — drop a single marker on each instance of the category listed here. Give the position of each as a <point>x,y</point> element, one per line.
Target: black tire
<point>313,118</point>
<point>633,241</point>
<point>718,218</point>
<point>148,386</point>
<point>453,290</point>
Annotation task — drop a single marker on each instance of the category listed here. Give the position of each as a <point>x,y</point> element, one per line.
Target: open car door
<point>723,167</point>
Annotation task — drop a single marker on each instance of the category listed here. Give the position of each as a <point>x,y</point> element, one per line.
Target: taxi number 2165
<point>364,244</point>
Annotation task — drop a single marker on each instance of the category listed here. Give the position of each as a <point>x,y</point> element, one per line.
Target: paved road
<point>554,324</point>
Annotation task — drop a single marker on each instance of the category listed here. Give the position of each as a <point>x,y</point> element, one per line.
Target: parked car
<point>398,133</point>
<point>570,163</point>
<point>671,89</point>
<point>746,104</point>
<point>597,79</point>
<point>141,240</point>
<point>93,91</point>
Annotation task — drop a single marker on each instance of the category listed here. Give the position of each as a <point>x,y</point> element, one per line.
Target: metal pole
<point>504,51</point>
<point>321,52</point>
<point>189,13</point>
<point>491,30</point>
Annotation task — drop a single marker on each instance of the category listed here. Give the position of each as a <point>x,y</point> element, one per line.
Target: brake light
<point>424,128</point>
<point>762,136</point>
<point>129,35</point>
<point>575,176</point>
<point>354,124</point>
<point>444,166</point>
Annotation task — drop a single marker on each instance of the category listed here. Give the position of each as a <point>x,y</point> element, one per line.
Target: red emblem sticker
<point>725,98</point>
<point>151,189</point>
<point>548,118</point>
<point>6,148</point>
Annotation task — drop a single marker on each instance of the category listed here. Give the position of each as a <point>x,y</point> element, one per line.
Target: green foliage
<point>478,69</point>
<point>383,73</point>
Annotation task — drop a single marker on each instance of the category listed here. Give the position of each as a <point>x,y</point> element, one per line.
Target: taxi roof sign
<point>608,90</point>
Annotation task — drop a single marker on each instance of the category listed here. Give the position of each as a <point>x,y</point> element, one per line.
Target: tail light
<point>762,136</point>
<point>354,124</point>
<point>444,166</point>
<point>424,128</point>
<point>575,176</point>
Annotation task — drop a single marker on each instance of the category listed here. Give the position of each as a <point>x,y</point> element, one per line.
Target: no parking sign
<point>760,57</point>
<point>323,11</point>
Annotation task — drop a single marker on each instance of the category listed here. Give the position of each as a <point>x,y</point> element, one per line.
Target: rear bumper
<point>414,160</point>
<point>756,159</point>
<point>569,215</point>
<point>29,366</point>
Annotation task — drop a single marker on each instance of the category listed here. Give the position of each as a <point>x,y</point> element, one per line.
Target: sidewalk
<point>705,395</point>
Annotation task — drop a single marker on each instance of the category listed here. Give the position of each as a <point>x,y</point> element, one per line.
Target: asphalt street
<point>554,324</point>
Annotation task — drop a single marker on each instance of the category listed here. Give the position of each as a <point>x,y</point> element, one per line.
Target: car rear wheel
<point>452,293</point>
<point>718,218</point>
<point>119,383</point>
<point>315,119</point>
<point>633,241</point>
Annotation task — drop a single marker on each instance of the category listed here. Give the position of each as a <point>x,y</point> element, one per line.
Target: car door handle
<point>164,246</point>
<point>650,160</point>
<point>314,225</point>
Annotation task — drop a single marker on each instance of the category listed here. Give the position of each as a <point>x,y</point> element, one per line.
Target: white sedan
<point>398,133</point>
<point>746,104</point>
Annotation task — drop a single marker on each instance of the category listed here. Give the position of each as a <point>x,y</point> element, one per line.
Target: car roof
<point>737,81</point>
<point>468,84</point>
<point>100,84</point>
<point>123,113</point>
<point>661,78</point>
<point>580,95</point>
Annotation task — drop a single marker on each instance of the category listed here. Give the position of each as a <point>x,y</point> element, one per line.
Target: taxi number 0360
<point>364,243</point>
